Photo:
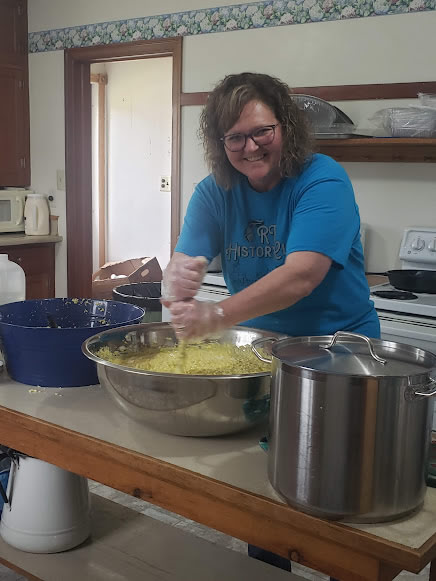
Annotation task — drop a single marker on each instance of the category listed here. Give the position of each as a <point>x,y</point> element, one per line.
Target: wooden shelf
<point>129,546</point>
<point>383,149</point>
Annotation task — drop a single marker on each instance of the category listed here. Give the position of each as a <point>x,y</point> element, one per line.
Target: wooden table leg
<point>387,572</point>
<point>432,575</point>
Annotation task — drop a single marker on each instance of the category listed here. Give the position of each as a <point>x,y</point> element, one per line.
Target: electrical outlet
<point>60,180</point>
<point>165,184</point>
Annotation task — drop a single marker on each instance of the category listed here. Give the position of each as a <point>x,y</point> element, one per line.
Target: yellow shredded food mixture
<point>194,359</point>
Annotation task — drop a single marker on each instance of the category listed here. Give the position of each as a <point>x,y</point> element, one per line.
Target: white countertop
<point>19,238</point>
<point>236,460</point>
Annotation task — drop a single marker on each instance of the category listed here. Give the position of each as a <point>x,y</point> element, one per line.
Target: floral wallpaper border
<point>236,17</point>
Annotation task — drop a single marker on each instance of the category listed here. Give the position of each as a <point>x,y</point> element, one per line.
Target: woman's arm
<point>182,277</point>
<point>301,273</point>
<point>281,288</point>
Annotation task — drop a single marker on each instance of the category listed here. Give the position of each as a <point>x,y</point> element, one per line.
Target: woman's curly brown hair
<point>223,108</point>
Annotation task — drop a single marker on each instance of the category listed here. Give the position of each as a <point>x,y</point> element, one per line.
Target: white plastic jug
<point>36,215</point>
<point>48,509</point>
<point>12,281</point>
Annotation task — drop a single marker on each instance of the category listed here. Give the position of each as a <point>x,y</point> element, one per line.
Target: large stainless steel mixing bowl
<point>184,405</point>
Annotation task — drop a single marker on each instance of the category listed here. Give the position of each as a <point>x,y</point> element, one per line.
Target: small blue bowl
<point>38,354</point>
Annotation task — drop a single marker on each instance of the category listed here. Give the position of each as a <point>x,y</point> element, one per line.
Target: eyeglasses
<point>261,136</point>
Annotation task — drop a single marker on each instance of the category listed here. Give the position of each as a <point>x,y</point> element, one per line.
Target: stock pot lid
<point>350,354</point>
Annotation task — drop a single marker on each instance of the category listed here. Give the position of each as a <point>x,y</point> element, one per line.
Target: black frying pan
<point>415,281</point>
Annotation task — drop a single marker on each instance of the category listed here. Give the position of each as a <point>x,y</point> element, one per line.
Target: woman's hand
<point>182,277</point>
<point>196,319</point>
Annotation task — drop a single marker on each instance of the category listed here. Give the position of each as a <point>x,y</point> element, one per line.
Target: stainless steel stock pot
<point>350,425</point>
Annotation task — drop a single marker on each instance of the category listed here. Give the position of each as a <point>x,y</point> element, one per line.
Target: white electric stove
<point>420,304</point>
<point>417,251</point>
<point>411,319</point>
<point>214,279</point>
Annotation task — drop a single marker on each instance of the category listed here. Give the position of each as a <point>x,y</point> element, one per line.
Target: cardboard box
<point>145,269</point>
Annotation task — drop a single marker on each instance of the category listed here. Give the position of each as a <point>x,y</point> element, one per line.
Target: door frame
<point>78,147</point>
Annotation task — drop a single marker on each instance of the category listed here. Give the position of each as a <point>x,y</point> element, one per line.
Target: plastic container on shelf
<point>427,99</point>
<point>407,121</point>
<point>12,281</point>
<point>36,215</point>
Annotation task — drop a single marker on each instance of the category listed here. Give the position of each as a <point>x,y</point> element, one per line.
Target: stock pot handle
<point>427,393</point>
<point>348,335</point>
<point>257,343</point>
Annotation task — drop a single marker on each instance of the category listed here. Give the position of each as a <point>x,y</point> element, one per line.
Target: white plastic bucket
<point>48,509</point>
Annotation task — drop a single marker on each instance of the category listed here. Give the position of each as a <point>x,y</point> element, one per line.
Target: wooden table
<point>220,482</point>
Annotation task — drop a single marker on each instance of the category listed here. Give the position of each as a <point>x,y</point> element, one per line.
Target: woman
<point>284,221</point>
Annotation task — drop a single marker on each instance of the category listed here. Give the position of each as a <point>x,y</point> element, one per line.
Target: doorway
<point>78,125</point>
<point>131,151</point>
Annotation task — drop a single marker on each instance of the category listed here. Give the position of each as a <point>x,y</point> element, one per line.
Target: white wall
<point>391,196</point>
<point>139,153</point>
<point>47,142</point>
<point>385,49</point>
<point>369,50</point>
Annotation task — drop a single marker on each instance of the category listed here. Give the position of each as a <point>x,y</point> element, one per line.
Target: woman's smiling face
<point>259,163</point>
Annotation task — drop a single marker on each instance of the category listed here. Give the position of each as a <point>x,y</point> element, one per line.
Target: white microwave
<point>12,210</point>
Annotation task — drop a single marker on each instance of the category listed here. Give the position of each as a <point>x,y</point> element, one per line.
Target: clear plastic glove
<point>196,319</point>
<point>183,277</point>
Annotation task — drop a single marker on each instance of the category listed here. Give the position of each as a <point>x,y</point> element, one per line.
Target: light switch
<point>60,180</point>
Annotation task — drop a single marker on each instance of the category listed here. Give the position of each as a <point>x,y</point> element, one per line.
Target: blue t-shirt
<point>255,231</point>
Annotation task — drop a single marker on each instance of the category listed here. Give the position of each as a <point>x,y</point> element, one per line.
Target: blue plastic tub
<point>37,354</point>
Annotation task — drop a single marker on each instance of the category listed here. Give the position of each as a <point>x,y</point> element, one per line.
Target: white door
<point>139,142</point>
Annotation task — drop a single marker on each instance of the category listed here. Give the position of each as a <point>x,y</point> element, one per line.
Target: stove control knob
<point>432,245</point>
<point>418,244</point>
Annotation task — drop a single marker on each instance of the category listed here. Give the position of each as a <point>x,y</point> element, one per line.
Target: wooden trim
<point>187,99</point>
<point>19,570</point>
<point>126,50</point>
<point>346,553</point>
<point>98,78</point>
<point>343,92</point>
<point>78,174</point>
<point>26,172</point>
<point>78,146</point>
<point>380,149</point>
<point>368,92</point>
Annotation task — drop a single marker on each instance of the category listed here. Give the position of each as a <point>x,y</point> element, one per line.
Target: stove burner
<point>395,294</point>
